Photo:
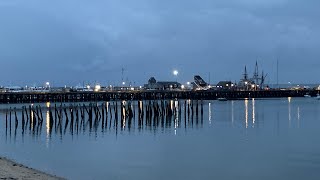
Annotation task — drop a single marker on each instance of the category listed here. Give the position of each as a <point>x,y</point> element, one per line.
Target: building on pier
<point>225,85</point>
<point>153,84</point>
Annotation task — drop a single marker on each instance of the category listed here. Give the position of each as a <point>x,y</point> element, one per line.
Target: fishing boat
<point>307,95</point>
<point>222,99</point>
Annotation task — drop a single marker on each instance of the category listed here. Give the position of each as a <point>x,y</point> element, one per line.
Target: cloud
<point>151,37</point>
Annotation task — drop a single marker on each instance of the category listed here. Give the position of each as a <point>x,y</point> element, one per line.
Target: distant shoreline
<point>12,170</point>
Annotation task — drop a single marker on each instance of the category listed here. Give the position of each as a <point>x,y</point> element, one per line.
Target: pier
<point>83,96</point>
<point>75,118</point>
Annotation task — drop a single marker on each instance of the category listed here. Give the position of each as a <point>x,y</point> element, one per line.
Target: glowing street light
<point>47,85</point>
<point>175,72</point>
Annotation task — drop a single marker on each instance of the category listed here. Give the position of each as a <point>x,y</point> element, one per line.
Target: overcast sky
<point>75,41</point>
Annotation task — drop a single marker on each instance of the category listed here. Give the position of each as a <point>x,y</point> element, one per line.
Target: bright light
<point>97,87</point>
<point>88,86</point>
<point>47,84</point>
<point>175,72</point>
<point>140,87</point>
<point>232,85</point>
<point>246,82</point>
<point>132,89</point>
<point>252,85</point>
<point>188,83</point>
<point>123,83</point>
<point>182,86</point>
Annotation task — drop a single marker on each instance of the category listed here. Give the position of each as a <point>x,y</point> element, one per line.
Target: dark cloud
<point>75,41</point>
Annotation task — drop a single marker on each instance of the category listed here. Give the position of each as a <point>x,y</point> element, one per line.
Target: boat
<point>307,95</point>
<point>222,99</point>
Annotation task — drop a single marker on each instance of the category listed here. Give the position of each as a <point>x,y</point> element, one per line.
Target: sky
<point>71,42</point>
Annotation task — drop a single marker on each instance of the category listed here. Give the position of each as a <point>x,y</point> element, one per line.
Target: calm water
<point>249,139</point>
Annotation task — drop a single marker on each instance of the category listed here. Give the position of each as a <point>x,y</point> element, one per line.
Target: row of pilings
<point>116,115</point>
<point>82,96</point>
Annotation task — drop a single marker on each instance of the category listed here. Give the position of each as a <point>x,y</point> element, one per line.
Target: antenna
<point>277,73</point>
<point>122,72</point>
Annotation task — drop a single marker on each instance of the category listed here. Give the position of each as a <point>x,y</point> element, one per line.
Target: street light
<point>47,85</point>
<point>97,88</point>
<point>175,73</point>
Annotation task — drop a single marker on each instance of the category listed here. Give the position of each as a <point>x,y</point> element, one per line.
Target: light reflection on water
<point>186,139</point>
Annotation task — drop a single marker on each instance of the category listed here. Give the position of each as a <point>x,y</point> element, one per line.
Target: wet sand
<point>12,170</point>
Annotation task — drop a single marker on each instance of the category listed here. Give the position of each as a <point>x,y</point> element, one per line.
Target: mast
<point>262,80</point>
<point>256,73</point>
<point>277,73</point>
<point>245,75</point>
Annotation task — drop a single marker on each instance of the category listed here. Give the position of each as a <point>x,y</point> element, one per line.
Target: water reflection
<point>289,110</point>
<point>253,113</point>
<point>232,113</point>
<point>298,116</point>
<point>246,112</point>
<point>125,117</point>
<point>210,115</point>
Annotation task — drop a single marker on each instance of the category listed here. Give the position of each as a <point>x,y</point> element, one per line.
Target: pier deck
<point>39,97</point>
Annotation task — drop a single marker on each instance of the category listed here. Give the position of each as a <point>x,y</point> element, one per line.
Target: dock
<point>83,96</point>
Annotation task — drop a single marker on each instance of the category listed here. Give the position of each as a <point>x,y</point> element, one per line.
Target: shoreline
<point>12,170</point>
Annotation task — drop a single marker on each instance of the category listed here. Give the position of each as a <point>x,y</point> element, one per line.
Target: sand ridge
<point>12,170</point>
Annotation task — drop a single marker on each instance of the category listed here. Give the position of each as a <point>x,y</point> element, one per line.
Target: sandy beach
<point>12,170</point>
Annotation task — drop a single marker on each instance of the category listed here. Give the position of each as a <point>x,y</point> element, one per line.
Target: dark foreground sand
<point>12,170</point>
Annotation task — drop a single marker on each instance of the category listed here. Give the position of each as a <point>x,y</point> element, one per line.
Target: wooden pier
<point>40,97</point>
<point>75,118</point>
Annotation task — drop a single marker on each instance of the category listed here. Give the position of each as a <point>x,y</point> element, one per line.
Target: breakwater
<point>40,97</point>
